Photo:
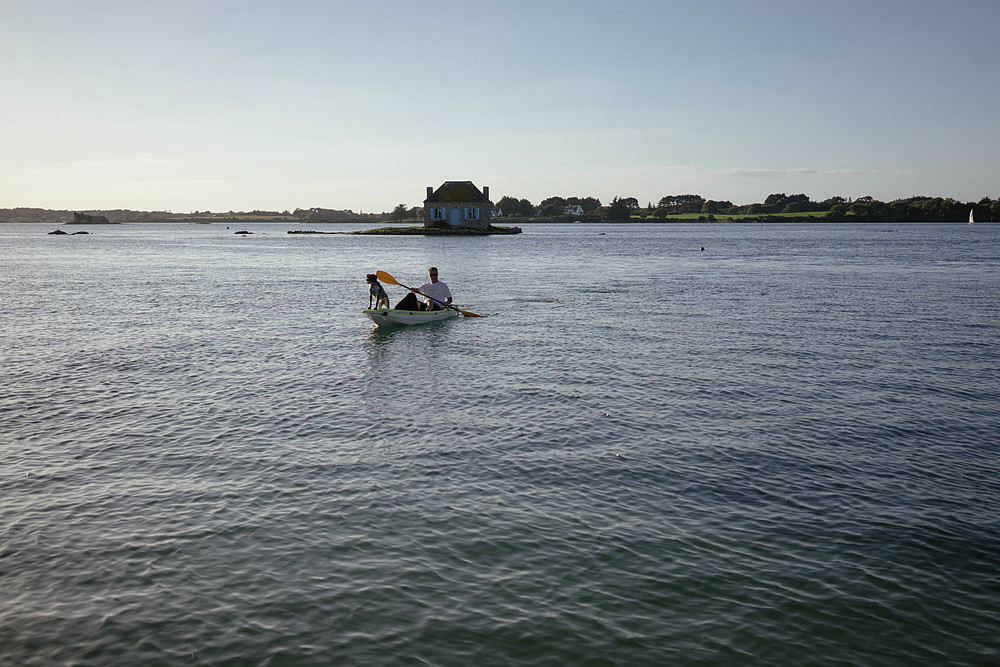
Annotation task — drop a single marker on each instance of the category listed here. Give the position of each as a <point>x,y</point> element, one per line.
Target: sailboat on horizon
<point>972,219</point>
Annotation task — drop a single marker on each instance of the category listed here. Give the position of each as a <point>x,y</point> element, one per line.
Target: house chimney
<point>486,192</point>
<point>430,191</point>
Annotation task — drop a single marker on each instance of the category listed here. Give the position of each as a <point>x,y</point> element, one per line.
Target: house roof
<point>457,191</point>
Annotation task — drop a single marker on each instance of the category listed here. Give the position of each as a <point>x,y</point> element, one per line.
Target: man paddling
<point>410,302</point>
<point>434,294</point>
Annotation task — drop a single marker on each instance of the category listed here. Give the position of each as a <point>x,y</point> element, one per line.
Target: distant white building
<point>575,209</point>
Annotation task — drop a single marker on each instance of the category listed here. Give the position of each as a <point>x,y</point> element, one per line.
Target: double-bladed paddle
<point>386,278</point>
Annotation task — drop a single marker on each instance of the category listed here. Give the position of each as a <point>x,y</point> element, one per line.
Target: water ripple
<point>780,454</point>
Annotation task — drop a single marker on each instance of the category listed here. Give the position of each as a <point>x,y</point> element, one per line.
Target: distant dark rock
<point>58,231</point>
<point>80,232</point>
<point>243,231</point>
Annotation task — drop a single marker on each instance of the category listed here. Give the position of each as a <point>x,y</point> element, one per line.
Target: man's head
<point>433,274</point>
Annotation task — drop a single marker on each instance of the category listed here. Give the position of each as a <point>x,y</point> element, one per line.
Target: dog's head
<point>371,279</point>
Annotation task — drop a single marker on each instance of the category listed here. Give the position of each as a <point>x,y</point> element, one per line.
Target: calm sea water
<point>780,450</point>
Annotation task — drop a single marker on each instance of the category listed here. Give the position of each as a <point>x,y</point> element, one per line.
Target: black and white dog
<point>376,293</point>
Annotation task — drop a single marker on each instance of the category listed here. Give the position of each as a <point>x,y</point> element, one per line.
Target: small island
<point>421,231</point>
<point>456,208</point>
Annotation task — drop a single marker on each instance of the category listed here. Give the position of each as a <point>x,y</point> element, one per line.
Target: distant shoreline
<point>736,220</point>
<point>777,207</point>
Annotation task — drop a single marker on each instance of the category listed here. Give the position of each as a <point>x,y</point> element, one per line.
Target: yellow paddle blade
<point>386,278</point>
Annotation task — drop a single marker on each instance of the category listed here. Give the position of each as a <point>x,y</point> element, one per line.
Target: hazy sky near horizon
<point>219,105</point>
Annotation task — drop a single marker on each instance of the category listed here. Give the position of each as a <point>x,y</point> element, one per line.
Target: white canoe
<point>383,316</point>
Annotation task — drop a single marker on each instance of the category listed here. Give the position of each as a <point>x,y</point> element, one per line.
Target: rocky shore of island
<point>420,231</point>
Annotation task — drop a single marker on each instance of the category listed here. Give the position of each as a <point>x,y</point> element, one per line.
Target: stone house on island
<point>456,205</point>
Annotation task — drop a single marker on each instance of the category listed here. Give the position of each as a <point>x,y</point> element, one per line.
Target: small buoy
<point>703,248</point>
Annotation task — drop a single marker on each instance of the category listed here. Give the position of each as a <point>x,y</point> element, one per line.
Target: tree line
<point>621,209</point>
<point>834,209</point>
<point>315,214</point>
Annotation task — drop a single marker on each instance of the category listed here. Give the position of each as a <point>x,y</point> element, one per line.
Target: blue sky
<point>217,105</point>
